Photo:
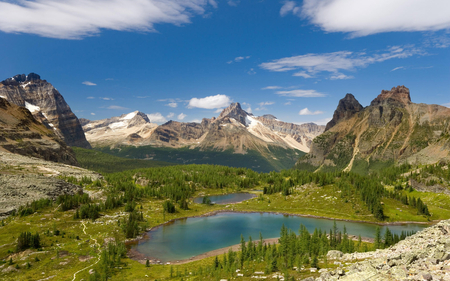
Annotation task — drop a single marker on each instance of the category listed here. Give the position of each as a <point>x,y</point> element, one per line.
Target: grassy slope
<point>106,163</point>
<point>285,158</point>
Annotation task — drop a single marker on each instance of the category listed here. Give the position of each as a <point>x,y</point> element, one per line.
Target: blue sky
<point>187,59</point>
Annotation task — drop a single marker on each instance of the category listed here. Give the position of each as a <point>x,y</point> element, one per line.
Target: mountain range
<point>392,129</point>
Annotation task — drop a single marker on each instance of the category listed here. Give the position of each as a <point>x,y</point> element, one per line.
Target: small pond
<point>227,198</point>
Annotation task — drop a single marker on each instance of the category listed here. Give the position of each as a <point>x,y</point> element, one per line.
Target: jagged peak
<point>346,108</point>
<point>22,78</point>
<point>234,111</point>
<point>269,117</point>
<point>396,94</point>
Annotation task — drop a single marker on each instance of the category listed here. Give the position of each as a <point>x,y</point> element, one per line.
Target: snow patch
<point>32,108</point>
<point>129,116</point>
<point>117,125</point>
<point>3,97</point>
<point>251,122</point>
<point>24,85</point>
<point>51,125</point>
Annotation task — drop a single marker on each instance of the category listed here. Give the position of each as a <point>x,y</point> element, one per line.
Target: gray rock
<point>334,255</point>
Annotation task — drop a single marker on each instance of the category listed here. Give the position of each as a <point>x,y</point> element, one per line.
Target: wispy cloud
<point>233,3</point>
<point>75,19</point>
<point>251,71</point>
<point>170,115</point>
<point>172,104</point>
<point>447,104</point>
<point>238,59</point>
<point>333,63</point>
<point>272,88</point>
<point>117,107</point>
<point>361,18</point>
<point>210,102</point>
<point>263,104</point>
<point>92,113</point>
<point>340,76</point>
<point>181,116</point>
<point>87,83</point>
<point>289,7</point>
<point>306,111</point>
<point>109,79</point>
<point>288,103</point>
<point>90,98</point>
<point>301,94</point>
<point>156,117</point>
<point>397,68</point>
<point>106,98</point>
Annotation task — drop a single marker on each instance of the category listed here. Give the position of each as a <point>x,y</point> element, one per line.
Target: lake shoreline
<point>135,255</point>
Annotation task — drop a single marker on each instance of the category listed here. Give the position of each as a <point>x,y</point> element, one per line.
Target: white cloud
<point>266,103</point>
<point>340,76</point>
<point>87,83</point>
<point>75,19</point>
<point>311,64</point>
<point>397,68</point>
<point>92,113</point>
<point>447,105</point>
<point>251,71</point>
<point>272,88</point>
<point>170,115</point>
<point>118,107</point>
<point>172,104</point>
<point>156,118</point>
<point>361,18</point>
<point>106,98</point>
<point>288,7</point>
<point>260,108</point>
<point>219,110</point>
<point>238,59</point>
<point>181,116</point>
<point>196,121</point>
<point>306,111</point>
<point>210,102</point>
<point>323,121</point>
<point>288,103</point>
<point>233,3</point>
<point>301,94</point>
<point>90,98</point>
<point>249,109</point>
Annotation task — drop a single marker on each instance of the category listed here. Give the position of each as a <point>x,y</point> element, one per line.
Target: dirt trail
<point>98,259</point>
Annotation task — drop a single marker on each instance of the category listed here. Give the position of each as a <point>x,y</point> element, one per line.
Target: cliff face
<point>392,129</point>
<point>46,104</point>
<point>21,133</point>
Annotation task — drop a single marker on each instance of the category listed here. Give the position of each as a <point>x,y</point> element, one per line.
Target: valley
<point>129,208</point>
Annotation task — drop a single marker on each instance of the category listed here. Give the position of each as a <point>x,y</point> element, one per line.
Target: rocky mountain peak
<point>347,107</point>
<point>21,78</point>
<point>399,94</point>
<point>269,117</point>
<point>137,118</point>
<point>234,111</point>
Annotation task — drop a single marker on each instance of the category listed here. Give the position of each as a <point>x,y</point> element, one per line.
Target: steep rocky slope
<point>46,104</point>
<point>24,179</point>
<point>392,129</point>
<point>422,256</point>
<point>21,133</point>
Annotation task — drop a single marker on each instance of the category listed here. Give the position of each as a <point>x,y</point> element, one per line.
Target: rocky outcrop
<point>347,107</point>
<point>21,133</point>
<point>422,256</point>
<point>24,179</point>
<point>234,111</point>
<point>46,104</point>
<point>392,129</point>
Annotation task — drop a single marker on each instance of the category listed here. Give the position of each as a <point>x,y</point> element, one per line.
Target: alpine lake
<point>185,238</point>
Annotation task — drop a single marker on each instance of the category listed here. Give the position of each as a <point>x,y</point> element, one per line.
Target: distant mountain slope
<point>21,133</point>
<point>46,104</point>
<point>269,144</point>
<point>391,129</point>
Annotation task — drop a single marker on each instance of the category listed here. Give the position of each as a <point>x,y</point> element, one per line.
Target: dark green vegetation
<point>292,253</point>
<point>285,158</point>
<point>107,163</point>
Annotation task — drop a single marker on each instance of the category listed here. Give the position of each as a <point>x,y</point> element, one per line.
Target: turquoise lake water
<point>189,237</point>
<point>227,198</point>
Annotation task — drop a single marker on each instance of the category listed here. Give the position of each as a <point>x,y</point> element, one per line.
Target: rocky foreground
<point>25,179</point>
<point>423,256</point>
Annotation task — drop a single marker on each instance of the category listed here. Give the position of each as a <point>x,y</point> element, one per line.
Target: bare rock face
<point>234,111</point>
<point>399,95</point>
<point>46,104</point>
<point>347,107</point>
<point>21,133</point>
<point>391,130</point>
